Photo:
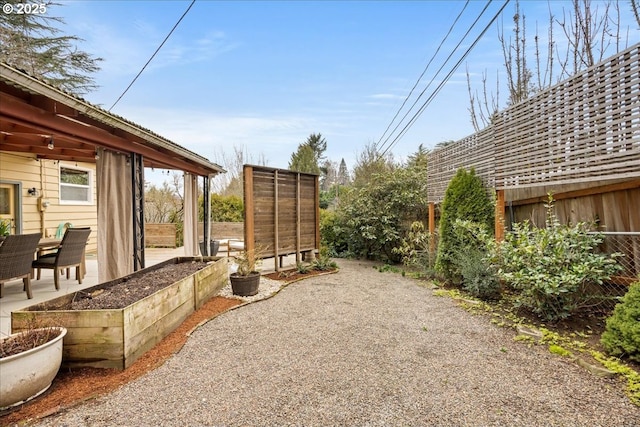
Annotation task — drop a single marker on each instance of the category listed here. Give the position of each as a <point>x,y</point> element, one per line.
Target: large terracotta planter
<point>115,338</point>
<point>26,375</point>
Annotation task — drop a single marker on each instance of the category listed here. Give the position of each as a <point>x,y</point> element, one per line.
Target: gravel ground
<point>358,348</point>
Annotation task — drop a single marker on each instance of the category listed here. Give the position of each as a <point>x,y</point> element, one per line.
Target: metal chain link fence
<point>601,297</point>
<point>627,244</point>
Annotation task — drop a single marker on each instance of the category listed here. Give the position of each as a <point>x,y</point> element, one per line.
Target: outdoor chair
<point>69,254</point>
<point>16,256</point>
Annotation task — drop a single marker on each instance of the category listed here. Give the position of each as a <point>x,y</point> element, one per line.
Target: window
<point>75,185</point>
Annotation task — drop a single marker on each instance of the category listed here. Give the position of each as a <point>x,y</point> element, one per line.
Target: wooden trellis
<point>585,129</point>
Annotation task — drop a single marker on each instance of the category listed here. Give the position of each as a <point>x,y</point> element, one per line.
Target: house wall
<point>44,176</point>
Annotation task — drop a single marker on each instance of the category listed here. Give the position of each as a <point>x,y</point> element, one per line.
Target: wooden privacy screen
<point>584,129</point>
<point>282,212</point>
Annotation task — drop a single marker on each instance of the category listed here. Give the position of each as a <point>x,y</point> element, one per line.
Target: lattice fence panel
<point>584,129</point>
<point>475,151</point>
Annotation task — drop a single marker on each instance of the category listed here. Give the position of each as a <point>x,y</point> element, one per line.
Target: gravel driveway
<point>362,348</point>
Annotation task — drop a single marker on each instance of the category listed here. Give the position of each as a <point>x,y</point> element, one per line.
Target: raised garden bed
<point>116,337</point>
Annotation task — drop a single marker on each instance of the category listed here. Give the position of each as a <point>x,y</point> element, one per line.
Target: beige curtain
<point>191,247</point>
<point>115,224</point>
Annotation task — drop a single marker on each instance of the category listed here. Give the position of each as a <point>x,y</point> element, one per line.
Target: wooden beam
<point>17,112</point>
<point>249,206</point>
<point>298,218</point>
<point>317,196</point>
<point>276,227</point>
<point>499,217</point>
<point>618,186</point>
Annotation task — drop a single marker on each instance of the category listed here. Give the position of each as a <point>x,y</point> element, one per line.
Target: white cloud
<point>386,96</point>
<point>206,133</point>
<point>125,52</point>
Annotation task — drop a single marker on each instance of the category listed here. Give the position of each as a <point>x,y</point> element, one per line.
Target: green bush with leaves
<point>415,248</point>
<point>375,218</point>
<point>472,260</point>
<point>333,234</point>
<point>622,333</point>
<point>226,208</point>
<point>466,199</point>
<point>550,267</point>
<point>323,261</point>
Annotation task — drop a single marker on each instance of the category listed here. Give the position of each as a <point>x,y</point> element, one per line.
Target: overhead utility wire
<point>448,76</point>
<point>423,72</point>
<point>437,73</point>
<point>153,56</point>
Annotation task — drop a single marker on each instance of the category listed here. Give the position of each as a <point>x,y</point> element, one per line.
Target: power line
<point>423,72</point>
<point>455,49</point>
<point>446,79</point>
<point>154,54</point>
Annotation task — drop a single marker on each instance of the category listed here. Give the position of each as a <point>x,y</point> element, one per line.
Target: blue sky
<point>264,75</point>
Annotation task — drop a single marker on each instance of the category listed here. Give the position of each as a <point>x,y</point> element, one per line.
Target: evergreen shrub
<point>622,333</point>
<point>466,199</point>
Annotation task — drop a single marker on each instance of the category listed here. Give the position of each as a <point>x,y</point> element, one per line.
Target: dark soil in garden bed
<point>130,290</point>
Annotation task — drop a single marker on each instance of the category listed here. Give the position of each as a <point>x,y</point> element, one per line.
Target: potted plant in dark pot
<point>245,281</point>
<point>29,361</point>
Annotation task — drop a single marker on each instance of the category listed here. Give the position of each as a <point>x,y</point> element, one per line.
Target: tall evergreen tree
<point>319,145</point>
<point>419,159</point>
<point>33,43</point>
<point>304,160</point>
<point>343,173</point>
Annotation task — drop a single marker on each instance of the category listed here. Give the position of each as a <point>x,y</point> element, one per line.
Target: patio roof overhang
<point>33,114</point>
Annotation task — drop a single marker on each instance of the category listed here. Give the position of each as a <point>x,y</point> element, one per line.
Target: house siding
<point>44,176</point>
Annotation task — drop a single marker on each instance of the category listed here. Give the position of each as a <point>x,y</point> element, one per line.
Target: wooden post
<point>432,227</point>
<point>249,218</point>
<point>298,213</point>
<point>499,217</point>
<point>276,231</point>
<point>317,197</point>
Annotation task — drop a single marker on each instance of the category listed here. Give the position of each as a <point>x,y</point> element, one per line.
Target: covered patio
<point>44,123</point>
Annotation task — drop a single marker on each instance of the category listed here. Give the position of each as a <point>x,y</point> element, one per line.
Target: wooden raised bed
<point>115,338</point>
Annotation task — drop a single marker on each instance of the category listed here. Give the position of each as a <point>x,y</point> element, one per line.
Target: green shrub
<point>323,261</point>
<point>303,268</point>
<point>372,220</point>
<point>415,248</point>
<point>478,278</point>
<point>550,267</point>
<point>622,333</point>
<point>333,234</point>
<point>473,262</point>
<point>465,199</point>
<point>226,208</point>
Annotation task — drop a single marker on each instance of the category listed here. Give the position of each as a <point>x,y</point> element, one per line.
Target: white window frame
<point>89,186</point>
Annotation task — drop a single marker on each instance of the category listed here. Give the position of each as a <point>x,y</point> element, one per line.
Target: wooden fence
<point>585,129</point>
<point>282,214</point>
<point>160,235</point>
<point>579,139</point>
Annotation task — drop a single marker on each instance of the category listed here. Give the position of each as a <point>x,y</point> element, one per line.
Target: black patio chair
<point>69,254</point>
<point>16,256</point>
